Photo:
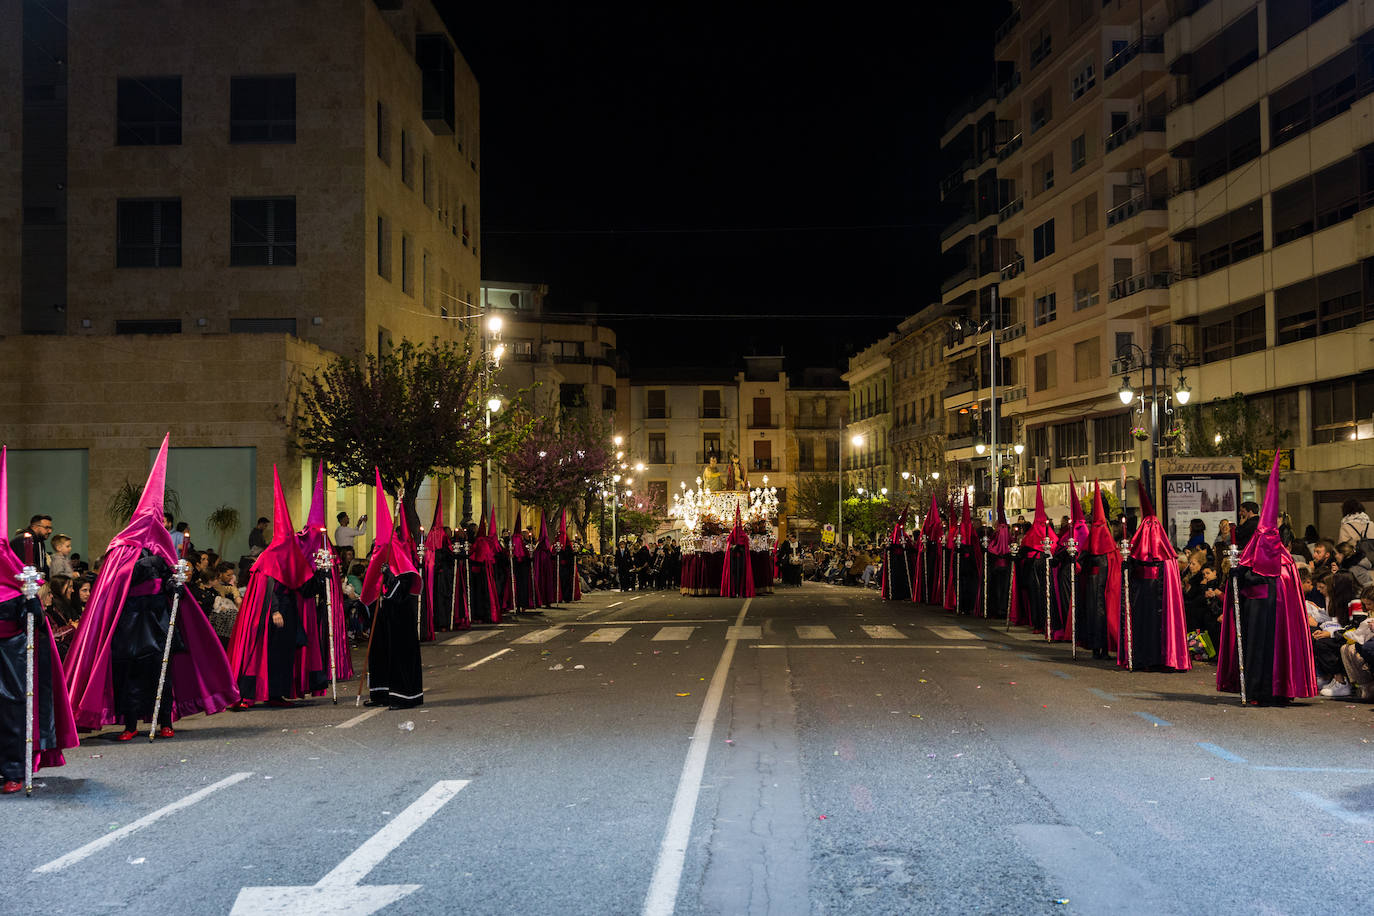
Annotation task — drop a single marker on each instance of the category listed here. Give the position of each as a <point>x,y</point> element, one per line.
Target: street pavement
<point>817,750</point>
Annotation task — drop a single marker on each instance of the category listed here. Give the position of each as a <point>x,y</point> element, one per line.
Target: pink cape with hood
<point>64,722</point>
<point>436,540</point>
<point>1033,548</point>
<point>930,587</point>
<point>545,576</point>
<point>283,561</point>
<point>1078,530</point>
<point>482,556</point>
<point>563,544</point>
<point>951,530</point>
<point>388,550</point>
<point>999,546</point>
<point>1100,543</point>
<point>1151,543</point>
<point>201,678</point>
<point>314,536</point>
<point>1294,672</point>
<point>738,538</point>
<point>968,535</point>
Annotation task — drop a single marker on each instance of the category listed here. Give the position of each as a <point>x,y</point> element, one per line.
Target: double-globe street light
<point>1132,357</point>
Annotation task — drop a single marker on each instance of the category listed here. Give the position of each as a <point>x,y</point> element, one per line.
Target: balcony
<point>959,386</point>
<point>811,421</point>
<point>1124,135</point>
<point>763,421</point>
<point>1005,29</point>
<point>764,464</point>
<point>712,413</point>
<point>954,443</point>
<point>1149,44</point>
<point>1011,84</point>
<point>1008,148</point>
<point>1013,394</point>
<point>960,277</point>
<point>965,218</point>
<point>1014,268</point>
<point>951,182</point>
<point>1141,294</point>
<point>1125,224</point>
<point>1014,207</point>
<point>1013,332</point>
<point>662,458</point>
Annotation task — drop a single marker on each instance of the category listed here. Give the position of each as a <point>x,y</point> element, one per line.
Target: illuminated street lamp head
<point>1216,440</point>
<point>1018,448</point>
<point>884,491</point>
<point>619,441</point>
<point>765,480</point>
<point>639,466</point>
<point>497,352</point>
<point>1125,392</point>
<point>619,455</point>
<point>494,324</point>
<point>935,475</point>
<point>980,446</point>
<point>859,490</point>
<point>906,475</point>
<point>494,405</point>
<point>629,480</point>
<point>1182,393</point>
<point>857,441</point>
<point>615,478</point>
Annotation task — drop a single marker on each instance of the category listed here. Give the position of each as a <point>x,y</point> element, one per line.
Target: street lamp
<point>1182,393</point>
<point>857,441</point>
<point>1125,392</point>
<point>1172,356</point>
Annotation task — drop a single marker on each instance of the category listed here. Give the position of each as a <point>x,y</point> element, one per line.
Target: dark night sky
<point>666,159</point>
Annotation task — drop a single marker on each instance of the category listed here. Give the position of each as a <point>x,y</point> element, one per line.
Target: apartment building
<point>920,375</point>
<point>675,421</point>
<point>867,459</point>
<point>216,200</point>
<point>817,401</point>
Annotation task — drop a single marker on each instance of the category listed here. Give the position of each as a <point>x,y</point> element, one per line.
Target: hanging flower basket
<point>1173,432</point>
<point>1140,432</point>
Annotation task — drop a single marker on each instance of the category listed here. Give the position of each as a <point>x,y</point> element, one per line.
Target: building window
<point>711,408</point>
<point>435,57</point>
<point>1042,174</point>
<point>1112,439</point>
<point>148,111</point>
<point>1230,238</point>
<point>1085,80</point>
<point>383,247</point>
<point>407,160</point>
<point>1290,17</point>
<point>1086,289</point>
<point>148,326</point>
<point>426,294</point>
<point>1087,359</point>
<point>1085,217</point>
<point>407,265</point>
<point>1042,110</point>
<point>1044,308</point>
<point>710,445</point>
<point>1070,444</point>
<point>658,448</point>
<point>1342,410</point>
<point>1230,145</point>
<point>262,326</point>
<point>1040,44</point>
<point>571,395</point>
<point>1045,375</point>
<point>1232,332</point>
<point>1227,54</point>
<point>262,231</point>
<point>1078,152</point>
<point>149,233</point>
<point>1043,240</point>
<point>1323,199</point>
<point>656,404</point>
<point>262,109</point>
<point>383,133</point>
<point>607,395</point>
<point>1331,302</point>
<point>427,181</point>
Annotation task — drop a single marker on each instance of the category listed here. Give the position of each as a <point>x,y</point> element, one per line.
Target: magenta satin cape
<point>283,561</point>
<point>562,545</point>
<point>482,562</point>
<point>436,539</point>
<point>1294,669</point>
<point>1034,539</point>
<point>387,550</point>
<point>1151,543</point>
<point>1078,530</point>
<point>545,576</point>
<point>314,536</point>
<point>737,538</point>
<point>201,677</point>
<point>931,532</point>
<point>1100,543</point>
<point>10,567</point>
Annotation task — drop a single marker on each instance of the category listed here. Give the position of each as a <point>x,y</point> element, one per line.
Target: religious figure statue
<point>735,478</point>
<point>710,475</point>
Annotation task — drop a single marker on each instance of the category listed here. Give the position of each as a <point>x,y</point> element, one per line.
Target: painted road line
<point>662,897</point>
<point>362,717</point>
<point>696,621</point>
<point>340,891</point>
<point>538,636</point>
<point>1154,720</point>
<point>953,633</point>
<point>468,639</point>
<point>868,645</point>
<point>738,632</point>
<point>636,597</point>
<point>1102,694</point>
<point>146,820</point>
<point>1330,807</point>
<point>805,632</point>
<point>617,604</point>
<point>606,634</point>
<point>483,661</point>
<point>880,632</point>
<point>1357,770</point>
<point>670,634</point>
<point>1024,634</point>
<point>1221,752</point>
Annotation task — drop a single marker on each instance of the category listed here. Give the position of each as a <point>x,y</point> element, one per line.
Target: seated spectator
<point>1357,655</point>
<point>1353,561</point>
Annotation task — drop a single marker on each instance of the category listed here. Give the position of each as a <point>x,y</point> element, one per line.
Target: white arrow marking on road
<point>338,892</point>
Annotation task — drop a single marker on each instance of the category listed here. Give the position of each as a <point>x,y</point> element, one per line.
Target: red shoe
<point>166,732</point>
<point>126,736</point>
<point>242,705</point>
<point>11,786</point>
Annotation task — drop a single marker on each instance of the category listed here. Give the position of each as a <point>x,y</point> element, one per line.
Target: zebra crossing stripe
<point>467,639</point>
<point>669,634</point>
<point>953,633</point>
<point>539,636</point>
<point>606,634</point>
<point>884,632</point>
<point>742,632</point>
<point>805,632</point>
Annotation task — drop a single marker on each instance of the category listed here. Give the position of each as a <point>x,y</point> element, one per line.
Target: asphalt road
<point>816,750</point>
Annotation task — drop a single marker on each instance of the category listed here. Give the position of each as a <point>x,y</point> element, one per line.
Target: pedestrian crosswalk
<point>804,633</point>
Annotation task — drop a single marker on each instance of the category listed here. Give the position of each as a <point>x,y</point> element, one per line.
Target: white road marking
<point>881,632</point>
<point>943,647</point>
<point>738,632</point>
<point>538,636</point>
<point>362,717</point>
<point>606,634</point>
<point>953,633</point>
<point>467,639</point>
<point>805,632</point>
<point>1025,635</point>
<point>662,897</point>
<point>636,597</point>
<point>110,839</point>
<point>617,604</point>
<point>339,891</point>
<point>483,661</point>
<point>667,634</point>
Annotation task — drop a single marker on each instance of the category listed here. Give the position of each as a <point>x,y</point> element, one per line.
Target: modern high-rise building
<point>200,204</point>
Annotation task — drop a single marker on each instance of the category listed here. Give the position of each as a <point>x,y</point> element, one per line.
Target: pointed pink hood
<point>1000,543</point>
<point>283,559</point>
<point>1034,539</point>
<point>517,541</point>
<point>386,551</point>
<point>315,534</point>
<point>1264,551</point>
<point>1151,542</point>
<point>1078,527</point>
<point>10,565</point>
<point>1100,532</point>
<point>931,526</point>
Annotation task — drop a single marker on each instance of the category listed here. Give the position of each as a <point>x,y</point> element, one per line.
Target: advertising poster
<point>1206,489</point>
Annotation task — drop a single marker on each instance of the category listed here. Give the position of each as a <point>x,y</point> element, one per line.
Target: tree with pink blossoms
<point>563,463</point>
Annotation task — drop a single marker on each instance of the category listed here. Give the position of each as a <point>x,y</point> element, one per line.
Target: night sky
<point>772,176</point>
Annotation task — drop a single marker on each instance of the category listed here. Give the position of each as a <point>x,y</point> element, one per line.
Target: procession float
<point>730,532</point>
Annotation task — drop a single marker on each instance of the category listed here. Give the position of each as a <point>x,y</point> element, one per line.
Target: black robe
<point>567,573</point>
<point>897,573</point>
<point>966,569</point>
<point>999,583</point>
<point>137,644</point>
<point>13,687</point>
<point>931,572</point>
<point>1030,587</point>
<point>1147,614</point>
<point>394,677</point>
<point>1067,579</point>
<point>1095,576</point>
<point>524,583</point>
